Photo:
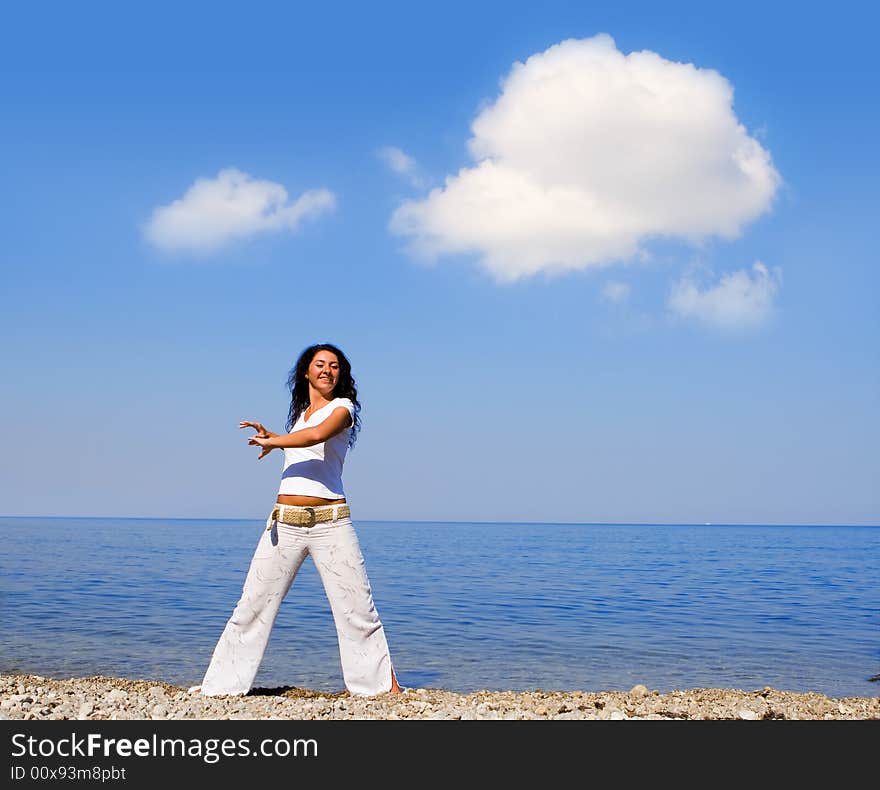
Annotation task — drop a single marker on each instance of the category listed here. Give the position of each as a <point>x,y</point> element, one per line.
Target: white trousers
<point>334,546</point>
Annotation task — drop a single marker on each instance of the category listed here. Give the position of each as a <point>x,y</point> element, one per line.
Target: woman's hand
<point>262,441</point>
<point>257,426</point>
<point>260,438</point>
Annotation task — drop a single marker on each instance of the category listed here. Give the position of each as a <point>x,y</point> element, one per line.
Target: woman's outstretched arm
<point>338,421</point>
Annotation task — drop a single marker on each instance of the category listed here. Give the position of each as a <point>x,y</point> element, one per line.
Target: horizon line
<point>446,521</point>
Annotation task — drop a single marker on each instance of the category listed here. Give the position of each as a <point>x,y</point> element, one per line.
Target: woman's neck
<point>316,398</point>
<point>317,401</point>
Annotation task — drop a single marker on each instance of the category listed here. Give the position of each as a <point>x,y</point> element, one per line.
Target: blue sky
<point>600,285</point>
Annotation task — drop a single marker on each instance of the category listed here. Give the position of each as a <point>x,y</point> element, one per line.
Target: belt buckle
<point>313,517</point>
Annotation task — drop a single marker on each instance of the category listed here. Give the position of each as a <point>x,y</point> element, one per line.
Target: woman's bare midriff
<point>308,501</point>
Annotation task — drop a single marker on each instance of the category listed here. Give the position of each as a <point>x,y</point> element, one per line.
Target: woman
<point>311,516</point>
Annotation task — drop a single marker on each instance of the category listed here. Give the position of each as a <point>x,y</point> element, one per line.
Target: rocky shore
<point>29,697</point>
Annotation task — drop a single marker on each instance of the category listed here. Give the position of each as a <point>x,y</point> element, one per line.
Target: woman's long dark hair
<point>299,386</point>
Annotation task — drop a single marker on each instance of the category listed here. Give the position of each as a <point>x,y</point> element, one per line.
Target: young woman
<point>311,517</point>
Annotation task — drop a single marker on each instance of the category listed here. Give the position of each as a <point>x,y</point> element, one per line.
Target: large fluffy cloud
<point>738,301</point>
<point>214,211</point>
<point>588,153</point>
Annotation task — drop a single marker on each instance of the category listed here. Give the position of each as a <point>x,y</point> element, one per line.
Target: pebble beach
<point>32,697</point>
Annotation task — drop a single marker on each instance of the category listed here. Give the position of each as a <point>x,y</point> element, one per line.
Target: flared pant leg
<point>363,648</point>
<point>239,651</point>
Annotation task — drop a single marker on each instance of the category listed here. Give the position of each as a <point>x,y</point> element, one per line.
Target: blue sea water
<point>465,606</point>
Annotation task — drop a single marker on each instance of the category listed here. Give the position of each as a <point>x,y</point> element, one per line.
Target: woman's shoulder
<point>345,403</point>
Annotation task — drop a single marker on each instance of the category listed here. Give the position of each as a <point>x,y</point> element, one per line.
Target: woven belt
<point>307,516</point>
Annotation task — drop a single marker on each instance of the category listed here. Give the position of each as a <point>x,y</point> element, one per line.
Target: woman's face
<point>323,372</point>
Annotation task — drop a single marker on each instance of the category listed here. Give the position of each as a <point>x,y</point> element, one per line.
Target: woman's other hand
<point>261,441</point>
<point>260,438</point>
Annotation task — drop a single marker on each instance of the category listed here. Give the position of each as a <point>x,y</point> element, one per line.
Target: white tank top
<point>317,470</point>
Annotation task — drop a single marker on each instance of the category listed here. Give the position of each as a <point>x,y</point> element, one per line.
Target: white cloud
<point>401,163</point>
<point>739,301</point>
<point>585,155</point>
<point>234,205</point>
<point>614,291</point>
<point>397,160</point>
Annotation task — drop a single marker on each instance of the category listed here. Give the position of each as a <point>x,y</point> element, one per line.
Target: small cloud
<point>615,292</point>
<point>585,156</point>
<point>402,164</point>
<point>231,206</point>
<point>397,160</point>
<point>739,301</point>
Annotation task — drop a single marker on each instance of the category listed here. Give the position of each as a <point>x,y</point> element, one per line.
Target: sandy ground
<point>29,697</point>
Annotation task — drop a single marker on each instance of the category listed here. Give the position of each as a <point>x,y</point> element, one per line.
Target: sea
<point>465,606</point>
